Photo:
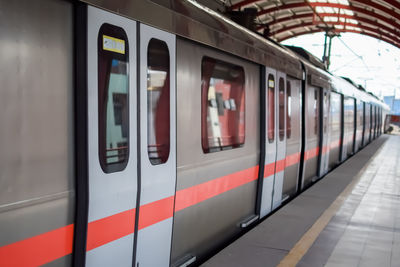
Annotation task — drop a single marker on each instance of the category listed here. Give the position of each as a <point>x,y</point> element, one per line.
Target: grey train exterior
<point>152,133</point>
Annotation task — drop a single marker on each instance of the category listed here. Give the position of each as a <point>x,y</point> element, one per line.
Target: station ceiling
<point>284,19</point>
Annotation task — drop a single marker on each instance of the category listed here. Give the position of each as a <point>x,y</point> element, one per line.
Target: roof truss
<point>290,18</point>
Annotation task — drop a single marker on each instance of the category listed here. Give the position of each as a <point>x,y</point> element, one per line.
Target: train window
<point>113,92</point>
<point>281,109</point>
<point>360,116</point>
<point>288,110</point>
<point>158,102</point>
<point>326,110</point>
<point>335,114</point>
<point>271,108</point>
<point>223,105</point>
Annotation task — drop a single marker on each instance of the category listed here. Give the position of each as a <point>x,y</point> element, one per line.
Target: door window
<point>288,110</point>
<point>281,109</point>
<point>158,102</point>
<point>113,95</point>
<point>271,108</point>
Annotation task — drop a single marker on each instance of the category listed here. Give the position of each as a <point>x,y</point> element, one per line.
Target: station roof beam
<point>290,18</point>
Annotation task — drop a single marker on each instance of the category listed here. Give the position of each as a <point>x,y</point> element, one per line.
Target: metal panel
<point>348,136</point>
<point>270,147</point>
<point>36,136</point>
<point>36,139</point>
<point>367,123</point>
<point>293,144</point>
<point>326,133</point>
<point>192,21</point>
<point>154,244</point>
<point>359,125</point>
<point>312,129</point>
<point>335,129</point>
<point>110,193</point>
<point>281,142</point>
<point>206,225</point>
<point>116,253</point>
<point>157,181</point>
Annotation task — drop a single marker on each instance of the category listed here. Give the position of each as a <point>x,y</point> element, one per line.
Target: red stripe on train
<point>198,193</point>
<point>292,159</point>
<point>309,154</point>
<point>269,169</point>
<point>156,212</point>
<point>105,230</point>
<point>47,247</point>
<point>40,249</point>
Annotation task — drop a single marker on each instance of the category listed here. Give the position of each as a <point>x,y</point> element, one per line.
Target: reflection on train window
<point>113,84</point>
<point>271,108</point>
<point>348,117</point>
<point>326,110</point>
<point>316,112</point>
<point>335,111</point>
<point>281,109</point>
<point>288,110</point>
<point>223,105</point>
<point>360,117</point>
<point>158,102</point>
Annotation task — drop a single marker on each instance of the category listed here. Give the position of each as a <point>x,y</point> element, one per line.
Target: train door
<point>367,123</point>
<point>348,127</point>
<point>374,121</point>
<point>112,138</point>
<point>270,143</point>
<point>293,137</point>
<point>325,133</point>
<point>312,137</point>
<point>359,125</point>
<point>281,140</point>
<point>380,121</point>
<point>157,147</point>
<point>335,129</point>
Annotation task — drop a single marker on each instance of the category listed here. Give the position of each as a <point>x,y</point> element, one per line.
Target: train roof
<point>193,21</point>
<point>196,22</point>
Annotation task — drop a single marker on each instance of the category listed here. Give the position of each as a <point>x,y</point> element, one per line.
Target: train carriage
<point>152,133</point>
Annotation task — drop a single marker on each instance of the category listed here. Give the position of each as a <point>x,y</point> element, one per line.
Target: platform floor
<point>349,218</point>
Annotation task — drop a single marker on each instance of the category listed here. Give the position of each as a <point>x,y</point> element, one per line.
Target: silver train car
<point>152,132</point>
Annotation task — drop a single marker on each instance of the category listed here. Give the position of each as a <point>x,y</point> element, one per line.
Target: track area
<point>349,218</point>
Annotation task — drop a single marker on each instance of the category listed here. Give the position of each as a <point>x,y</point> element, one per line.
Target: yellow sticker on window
<point>271,83</point>
<point>113,44</point>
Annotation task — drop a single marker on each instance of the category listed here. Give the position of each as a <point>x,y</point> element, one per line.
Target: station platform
<point>351,217</point>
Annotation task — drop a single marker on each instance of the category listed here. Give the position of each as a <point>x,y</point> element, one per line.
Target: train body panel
<point>112,139</point>
<point>281,117</point>
<point>326,137</point>
<point>312,138</point>
<point>37,169</point>
<point>270,142</point>
<point>293,138</point>
<point>335,121</point>
<point>202,162</point>
<point>349,127</point>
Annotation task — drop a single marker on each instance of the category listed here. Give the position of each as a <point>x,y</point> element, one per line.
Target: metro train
<point>154,132</point>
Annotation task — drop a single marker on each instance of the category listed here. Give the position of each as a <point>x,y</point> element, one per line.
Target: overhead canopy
<point>284,19</point>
